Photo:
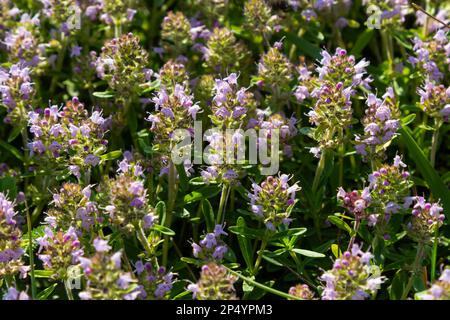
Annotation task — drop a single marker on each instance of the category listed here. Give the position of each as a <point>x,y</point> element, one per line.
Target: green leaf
<point>208,213</point>
<point>44,294</point>
<point>245,244</point>
<point>14,133</point>
<point>202,193</point>
<point>104,94</point>
<point>340,224</point>
<point>398,285</point>
<point>191,261</point>
<point>163,230</point>
<point>132,120</point>
<point>182,295</point>
<point>335,250</point>
<point>160,209</point>
<point>111,155</point>
<point>363,40</point>
<point>12,149</point>
<point>150,86</point>
<point>437,186</point>
<point>43,273</point>
<point>294,232</point>
<point>247,232</point>
<point>308,253</point>
<point>446,177</point>
<point>8,185</point>
<point>197,181</point>
<point>304,46</point>
<point>408,119</point>
<point>184,181</point>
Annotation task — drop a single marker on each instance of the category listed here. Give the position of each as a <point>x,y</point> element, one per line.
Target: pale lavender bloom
<point>101,245</point>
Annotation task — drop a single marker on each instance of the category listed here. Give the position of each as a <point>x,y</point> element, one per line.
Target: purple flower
<point>101,245</point>
<point>91,160</point>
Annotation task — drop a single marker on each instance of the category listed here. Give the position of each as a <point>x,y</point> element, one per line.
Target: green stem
<point>171,204</point>
<point>389,52</point>
<point>260,254</point>
<point>352,239</point>
<point>223,200</point>
<point>434,255</point>
<point>143,239</point>
<point>434,143</point>
<point>415,269</point>
<point>30,252</point>
<point>263,287</point>
<point>319,171</point>
<point>341,158</point>
<point>68,290</point>
<point>59,65</point>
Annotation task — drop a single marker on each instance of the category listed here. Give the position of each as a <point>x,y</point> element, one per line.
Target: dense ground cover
<point>214,149</point>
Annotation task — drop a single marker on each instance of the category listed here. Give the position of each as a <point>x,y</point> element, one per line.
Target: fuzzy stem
<point>260,254</point>
<point>352,239</point>
<point>170,207</point>
<point>319,170</point>
<point>261,286</point>
<point>434,255</point>
<point>68,290</point>
<point>59,64</point>
<point>30,252</point>
<point>415,269</point>
<point>143,239</point>
<point>434,143</point>
<point>223,200</point>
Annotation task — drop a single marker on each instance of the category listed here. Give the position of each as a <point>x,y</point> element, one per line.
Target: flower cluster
<point>17,91</point>
<point>230,104</point>
<point>355,202</point>
<point>392,12</point>
<point>69,137</point>
<point>440,290</point>
<point>111,12</point>
<point>224,53</point>
<point>219,156</point>
<point>11,251</point>
<point>105,278</point>
<point>22,42</point>
<point>173,110</point>
<point>426,218</point>
<point>72,207</point>
<point>343,68</point>
<point>432,56</point>
<point>173,73</point>
<point>59,250</point>
<point>154,283</point>
<point>122,64</point>
<point>353,277</point>
<point>211,247</point>
<point>435,100</point>
<point>380,126</point>
<point>215,283</point>
<point>176,33</point>
<point>62,13</point>
<point>272,201</point>
<point>276,124</point>
<point>128,207</point>
<point>388,185</point>
<point>275,73</point>
<point>259,18</point>
<point>301,291</point>
<point>338,77</point>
